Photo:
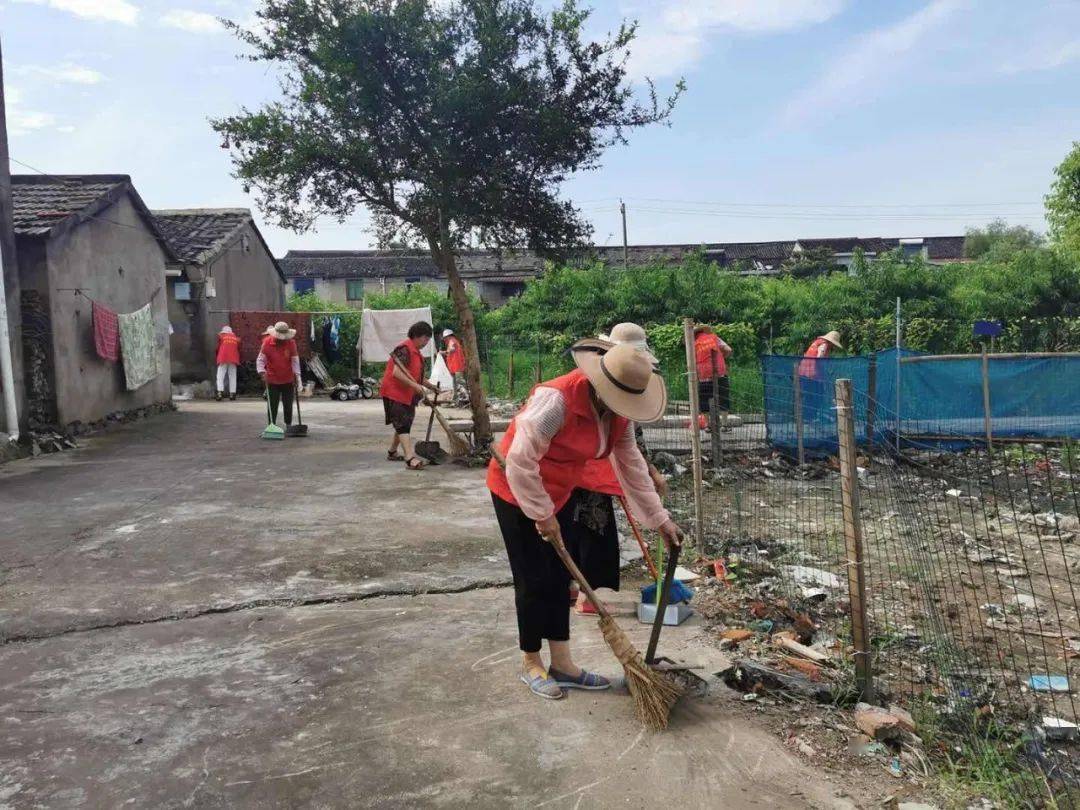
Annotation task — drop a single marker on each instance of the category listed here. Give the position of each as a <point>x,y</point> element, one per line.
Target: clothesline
<point>295,312</point>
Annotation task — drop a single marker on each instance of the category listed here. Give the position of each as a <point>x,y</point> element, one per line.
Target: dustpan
<point>299,429</point>
<point>271,431</point>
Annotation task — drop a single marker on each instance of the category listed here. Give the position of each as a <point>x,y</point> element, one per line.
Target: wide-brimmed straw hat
<point>632,335</point>
<point>281,331</point>
<point>225,330</point>
<point>834,338</point>
<point>623,378</point>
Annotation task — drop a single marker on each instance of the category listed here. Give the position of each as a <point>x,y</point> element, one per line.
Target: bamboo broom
<point>654,693</point>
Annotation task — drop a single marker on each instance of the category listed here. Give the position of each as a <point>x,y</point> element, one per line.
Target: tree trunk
<point>444,258</point>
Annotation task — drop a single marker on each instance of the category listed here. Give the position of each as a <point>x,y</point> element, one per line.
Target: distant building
<point>222,263</point>
<point>78,239</point>
<point>347,276</point>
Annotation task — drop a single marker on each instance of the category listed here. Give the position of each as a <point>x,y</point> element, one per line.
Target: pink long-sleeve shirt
<point>537,423</point>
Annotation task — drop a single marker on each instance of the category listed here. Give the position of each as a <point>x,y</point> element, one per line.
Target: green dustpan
<point>271,431</point>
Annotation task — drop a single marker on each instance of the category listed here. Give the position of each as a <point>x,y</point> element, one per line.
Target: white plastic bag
<point>441,376</point>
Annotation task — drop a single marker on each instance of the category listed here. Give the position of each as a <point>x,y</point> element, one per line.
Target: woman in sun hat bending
<point>586,414</point>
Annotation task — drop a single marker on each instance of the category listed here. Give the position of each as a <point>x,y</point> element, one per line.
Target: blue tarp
<point>940,400</point>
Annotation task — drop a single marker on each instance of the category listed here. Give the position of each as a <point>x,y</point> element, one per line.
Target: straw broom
<point>654,693</point>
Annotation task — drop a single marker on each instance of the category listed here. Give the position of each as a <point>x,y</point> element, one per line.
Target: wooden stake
<point>987,420</point>
<point>849,483</point>
<point>695,432</point>
<point>796,387</point>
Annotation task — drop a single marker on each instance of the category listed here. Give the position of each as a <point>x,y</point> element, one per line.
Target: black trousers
<point>541,581</point>
<point>592,537</point>
<point>705,392</point>
<point>282,394</point>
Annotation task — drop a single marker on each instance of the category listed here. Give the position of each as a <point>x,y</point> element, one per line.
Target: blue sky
<point>803,118</point>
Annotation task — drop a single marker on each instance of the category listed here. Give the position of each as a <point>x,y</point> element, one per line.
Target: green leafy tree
<point>812,262</point>
<point>1063,202</point>
<point>454,122</point>
<point>1000,238</point>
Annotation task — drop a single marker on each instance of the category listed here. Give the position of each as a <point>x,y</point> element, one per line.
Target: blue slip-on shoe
<point>586,680</point>
<point>544,687</point>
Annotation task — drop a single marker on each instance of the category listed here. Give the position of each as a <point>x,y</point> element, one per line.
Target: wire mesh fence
<point>968,552</point>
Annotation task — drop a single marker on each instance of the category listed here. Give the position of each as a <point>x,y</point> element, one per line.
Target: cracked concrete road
<point>213,688</point>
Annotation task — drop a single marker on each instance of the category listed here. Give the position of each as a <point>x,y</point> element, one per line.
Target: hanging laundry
<point>335,329</point>
<point>106,332</point>
<point>329,345</point>
<point>250,326</point>
<point>138,348</point>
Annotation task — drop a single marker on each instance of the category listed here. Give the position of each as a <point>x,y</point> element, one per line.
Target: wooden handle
<point>640,540</point>
<point>661,607</point>
<point>575,572</point>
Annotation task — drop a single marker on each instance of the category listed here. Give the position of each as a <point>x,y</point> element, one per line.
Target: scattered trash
<point>685,574</point>
<point>761,626</point>
<point>896,769</point>
<point>862,746</point>
<point>814,594</point>
<point>803,575</point>
<point>1058,729</point>
<point>1048,683</point>
<point>737,634</point>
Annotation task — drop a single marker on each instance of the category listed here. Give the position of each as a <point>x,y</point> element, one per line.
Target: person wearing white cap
<point>586,414</point>
<point>454,355</point>
<point>814,385</point>
<point>228,358</point>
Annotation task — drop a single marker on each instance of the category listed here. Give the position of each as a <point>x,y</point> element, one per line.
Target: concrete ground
<point>193,617</point>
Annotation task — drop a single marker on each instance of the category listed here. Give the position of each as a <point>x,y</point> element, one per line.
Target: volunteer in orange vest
<point>402,388</point>
<point>228,358</point>
<point>278,365</point>
<point>590,532</point>
<point>586,414</point>
<point>711,354</point>
<point>814,394</point>
<point>454,355</point>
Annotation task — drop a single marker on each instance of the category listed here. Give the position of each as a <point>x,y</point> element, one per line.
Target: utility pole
<point>10,360</point>
<point>625,251</point>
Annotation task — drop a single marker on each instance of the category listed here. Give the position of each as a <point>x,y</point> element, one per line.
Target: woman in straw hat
<point>586,414</point>
<point>589,527</point>
<point>814,385</point>
<point>278,365</point>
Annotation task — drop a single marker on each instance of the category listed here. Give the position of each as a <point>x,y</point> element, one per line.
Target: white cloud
<point>673,40</point>
<point>1045,57</point>
<point>860,68</point>
<point>67,73</point>
<point>22,121</point>
<point>196,22</point>
<point>750,15</point>
<point>119,11</point>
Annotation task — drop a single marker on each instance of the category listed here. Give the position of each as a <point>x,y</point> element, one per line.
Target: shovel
<point>299,429</point>
<point>427,449</point>
<point>271,431</point>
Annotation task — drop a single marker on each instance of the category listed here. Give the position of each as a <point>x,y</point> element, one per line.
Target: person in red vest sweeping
<point>711,353</point>
<point>228,359</point>
<point>278,365</point>
<point>586,414</point>
<point>402,389</point>
<point>813,383</point>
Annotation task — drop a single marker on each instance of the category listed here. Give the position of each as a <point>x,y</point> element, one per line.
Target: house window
<point>303,285</point>
<point>354,290</point>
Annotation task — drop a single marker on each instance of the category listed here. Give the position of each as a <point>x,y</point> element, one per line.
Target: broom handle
<point>269,416</point>
<point>450,434</point>
<point>296,396</point>
<point>575,572</point>
<point>661,607</point>
<point>640,540</point>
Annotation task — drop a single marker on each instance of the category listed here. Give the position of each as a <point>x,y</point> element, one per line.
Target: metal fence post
<point>510,371</point>
<point>988,422</point>
<point>849,484</point>
<point>796,387</point>
<point>695,431</point>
